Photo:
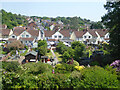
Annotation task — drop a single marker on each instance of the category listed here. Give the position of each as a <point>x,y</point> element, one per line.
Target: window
<point>59,36</point>
<point>55,36</point>
<point>25,41</point>
<point>27,36</point>
<point>89,37</point>
<point>13,36</point>
<point>23,36</point>
<point>84,36</point>
<point>30,41</point>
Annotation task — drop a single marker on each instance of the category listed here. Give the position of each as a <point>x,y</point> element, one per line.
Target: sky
<point>89,9</point>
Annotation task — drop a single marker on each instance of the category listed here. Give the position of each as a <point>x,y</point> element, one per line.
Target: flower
<point>116,64</point>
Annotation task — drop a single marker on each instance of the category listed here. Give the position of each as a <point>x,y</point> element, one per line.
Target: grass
<point>59,56</point>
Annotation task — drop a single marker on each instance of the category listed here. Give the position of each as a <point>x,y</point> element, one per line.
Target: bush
<point>64,68</point>
<point>75,78</point>
<point>37,68</point>
<point>11,66</point>
<point>97,77</point>
<point>75,63</point>
<point>93,63</point>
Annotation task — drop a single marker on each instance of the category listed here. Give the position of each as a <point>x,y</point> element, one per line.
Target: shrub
<point>97,77</point>
<point>37,68</point>
<point>75,78</point>
<point>93,63</point>
<point>64,68</point>
<point>75,63</point>
<point>11,66</point>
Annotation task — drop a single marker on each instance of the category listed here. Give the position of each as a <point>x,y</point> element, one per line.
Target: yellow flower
<point>79,67</point>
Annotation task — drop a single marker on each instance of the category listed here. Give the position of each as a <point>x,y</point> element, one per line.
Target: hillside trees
<point>12,20</point>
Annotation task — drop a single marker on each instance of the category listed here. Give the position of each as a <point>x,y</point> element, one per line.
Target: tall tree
<point>112,21</point>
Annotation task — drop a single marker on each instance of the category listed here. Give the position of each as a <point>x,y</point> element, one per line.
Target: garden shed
<point>31,56</point>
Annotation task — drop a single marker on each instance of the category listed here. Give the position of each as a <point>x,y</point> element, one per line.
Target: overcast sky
<point>89,9</point>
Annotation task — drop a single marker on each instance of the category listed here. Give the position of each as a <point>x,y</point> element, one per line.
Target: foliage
<point>97,77</point>
<point>42,47</point>
<point>79,68</point>
<point>64,68</point>
<point>93,63</point>
<point>116,64</point>
<point>15,45</point>
<point>61,48</point>
<point>12,20</point>
<point>96,25</point>
<point>75,63</point>
<point>11,66</point>
<point>75,79</point>
<point>37,68</point>
<point>112,21</point>
<point>68,54</point>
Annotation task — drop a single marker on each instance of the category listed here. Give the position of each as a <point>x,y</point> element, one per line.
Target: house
<point>91,36</point>
<point>5,33</point>
<point>58,34</point>
<point>31,56</point>
<point>27,36</point>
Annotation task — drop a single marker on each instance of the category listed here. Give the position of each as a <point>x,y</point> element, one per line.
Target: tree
<point>15,45</point>
<point>42,47</point>
<point>61,48</point>
<point>78,49</point>
<point>112,21</point>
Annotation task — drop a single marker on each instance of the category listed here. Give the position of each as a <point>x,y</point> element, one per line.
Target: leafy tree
<point>66,56</point>
<point>112,21</point>
<point>96,25</point>
<point>42,47</point>
<point>78,49</point>
<point>15,45</point>
<point>61,48</point>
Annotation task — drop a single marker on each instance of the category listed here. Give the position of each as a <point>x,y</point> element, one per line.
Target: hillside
<point>12,20</point>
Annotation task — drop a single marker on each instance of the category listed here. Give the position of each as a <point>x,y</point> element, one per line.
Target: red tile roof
<point>102,32</point>
<point>65,33</point>
<point>17,32</point>
<point>5,32</point>
<point>79,34</point>
<point>49,33</point>
<point>33,32</point>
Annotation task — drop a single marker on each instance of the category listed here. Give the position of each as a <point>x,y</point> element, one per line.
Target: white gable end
<point>57,35</point>
<point>25,34</point>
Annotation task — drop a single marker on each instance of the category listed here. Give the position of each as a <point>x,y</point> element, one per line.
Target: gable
<point>24,33</point>
<point>87,34</point>
<point>57,34</point>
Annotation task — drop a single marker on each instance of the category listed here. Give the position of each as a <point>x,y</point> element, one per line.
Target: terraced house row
<point>29,36</point>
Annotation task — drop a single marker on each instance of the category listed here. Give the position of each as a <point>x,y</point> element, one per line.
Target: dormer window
<point>89,37</point>
<point>13,36</point>
<point>27,36</point>
<point>55,36</point>
<point>84,36</point>
<point>59,36</point>
<point>23,36</point>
